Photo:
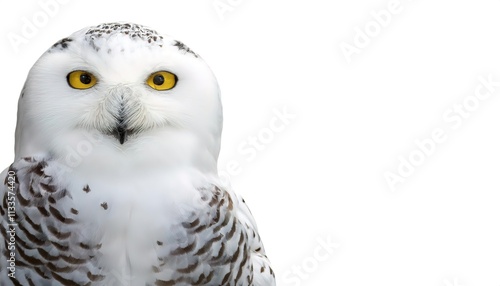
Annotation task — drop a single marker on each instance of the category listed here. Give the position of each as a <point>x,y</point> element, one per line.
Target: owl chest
<point>135,207</point>
<point>164,229</point>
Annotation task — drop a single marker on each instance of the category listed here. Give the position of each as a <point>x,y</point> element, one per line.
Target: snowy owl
<point>115,180</point>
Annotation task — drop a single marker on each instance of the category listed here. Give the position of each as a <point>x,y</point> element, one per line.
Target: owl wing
<point>40,234</point>
<point>223,246</point>
<point>263,274</point>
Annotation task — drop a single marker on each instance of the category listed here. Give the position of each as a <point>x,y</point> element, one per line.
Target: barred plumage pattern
<point>50,249</point>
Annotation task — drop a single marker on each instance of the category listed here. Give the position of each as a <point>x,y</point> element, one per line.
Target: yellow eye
<point>81,79</point>
<point>162,80</point>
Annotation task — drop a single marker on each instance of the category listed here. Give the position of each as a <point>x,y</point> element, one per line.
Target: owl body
<point>114,180</point>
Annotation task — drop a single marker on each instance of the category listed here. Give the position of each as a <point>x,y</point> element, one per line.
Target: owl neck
<point>95,153</point>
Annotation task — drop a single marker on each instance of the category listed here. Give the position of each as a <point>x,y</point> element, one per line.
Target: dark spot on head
<point>93,45</point>
<point>104,205</point>
<point>62,44</point>
<point>182,47</point>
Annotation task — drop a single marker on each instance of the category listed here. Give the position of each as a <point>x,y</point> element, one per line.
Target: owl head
<point>134,89</point>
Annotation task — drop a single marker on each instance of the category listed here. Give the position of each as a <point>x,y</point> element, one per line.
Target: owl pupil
<point>158,80</point>
<point>85,78</point>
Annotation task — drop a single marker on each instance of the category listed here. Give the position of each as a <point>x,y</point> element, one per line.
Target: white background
<point>321,178</point>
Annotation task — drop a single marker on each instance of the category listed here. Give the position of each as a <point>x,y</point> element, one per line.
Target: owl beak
<point>121,134</point>
<point>123,110</point>
<point>121,131</point>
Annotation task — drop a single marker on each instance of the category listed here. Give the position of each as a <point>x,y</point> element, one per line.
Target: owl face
<point>123,81</point>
